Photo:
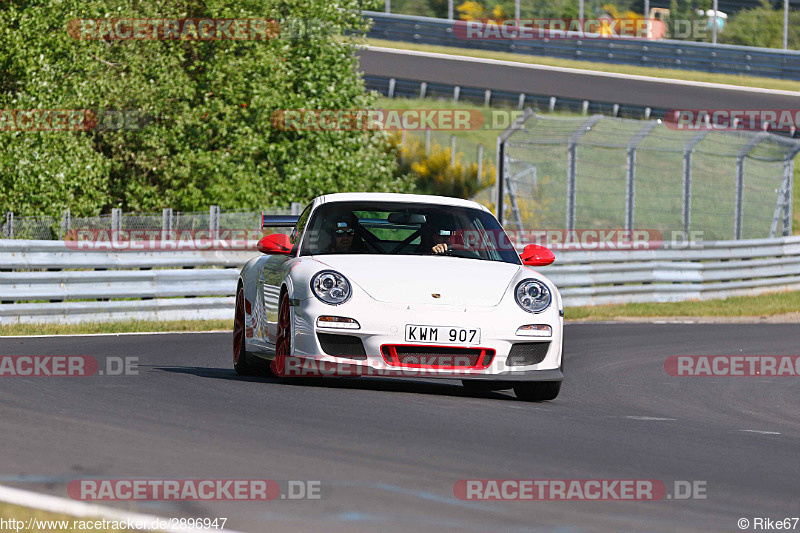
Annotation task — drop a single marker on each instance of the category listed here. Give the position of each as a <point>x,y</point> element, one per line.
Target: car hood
<point>415,279</point>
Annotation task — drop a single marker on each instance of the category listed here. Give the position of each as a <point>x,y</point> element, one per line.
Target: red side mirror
<point>277,243</point>
<point>535,255</point>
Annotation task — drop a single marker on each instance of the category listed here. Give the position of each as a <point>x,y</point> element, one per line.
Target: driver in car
<point>435,238</point>
<point>343,231</point>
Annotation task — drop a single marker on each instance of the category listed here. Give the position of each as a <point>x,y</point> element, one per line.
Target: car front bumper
<point>384,324</point>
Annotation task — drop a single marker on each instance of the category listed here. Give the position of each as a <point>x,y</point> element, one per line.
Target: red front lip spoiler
<point>484,356</point>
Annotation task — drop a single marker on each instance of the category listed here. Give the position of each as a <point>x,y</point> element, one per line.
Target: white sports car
<point>375,284</point>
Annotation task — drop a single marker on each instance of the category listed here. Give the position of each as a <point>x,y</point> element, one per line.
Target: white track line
<point>567,70</point>
<point>54,504</point>
<point>115,334</point>
<point>760,432</point>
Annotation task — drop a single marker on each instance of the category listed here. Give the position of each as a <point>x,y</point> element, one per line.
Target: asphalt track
<point>568,83</point>
<point>388,452</point>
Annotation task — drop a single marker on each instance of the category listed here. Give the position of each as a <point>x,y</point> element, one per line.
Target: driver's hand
<point>440,248</point>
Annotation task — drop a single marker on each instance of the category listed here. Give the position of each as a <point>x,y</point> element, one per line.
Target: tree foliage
<point>762,26</point>
<point>210,140</point>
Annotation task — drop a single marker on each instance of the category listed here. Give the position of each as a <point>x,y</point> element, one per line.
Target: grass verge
<point>760,306</point>
<point>785,304</point>
<point>48,521</point>
<point>688,75</point>
<point>130,326</point>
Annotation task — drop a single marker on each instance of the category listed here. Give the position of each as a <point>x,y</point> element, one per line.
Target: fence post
<point>788,173</point>
<point>392,83</point>
<point>427,142</point>
<point>296,208</point>
<point>480,164</point>
<point>687,180</point>
<point>116,220</point>
<point>453,151</point>
<point>65,222</point>
<point>423,88</point>
<point>9,225</point>
<point>166,223</point>
<point>630,183</point>
<point>572,167</point>
<point>501,158</point>
<point>213,221</point>
<point>739,209</point>
<point>630,189</point>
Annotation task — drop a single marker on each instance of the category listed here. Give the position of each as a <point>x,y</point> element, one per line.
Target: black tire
<point>241,362</point>
<point>537,391</point>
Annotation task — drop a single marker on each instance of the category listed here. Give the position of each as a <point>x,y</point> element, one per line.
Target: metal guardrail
<point>29,254</point>
<point>698,271</point>
<point>160,309</point>
<point>686,55</point>
<point>45,281</point>
<point>403,88</point>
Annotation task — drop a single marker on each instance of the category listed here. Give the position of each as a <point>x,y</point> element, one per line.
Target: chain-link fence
<point>52,228</point>
<point>610,173</point>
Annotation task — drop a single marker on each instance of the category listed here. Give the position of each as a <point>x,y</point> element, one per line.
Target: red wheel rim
<point>283,339</point>
<point>238,327</point>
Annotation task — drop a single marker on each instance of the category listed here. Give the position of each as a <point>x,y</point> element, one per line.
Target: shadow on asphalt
<point>359,383</point>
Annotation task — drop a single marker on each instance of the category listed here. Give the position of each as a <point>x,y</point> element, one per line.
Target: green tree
<point>684,18</point>
<point>762,26</point>
<point>211,139</point>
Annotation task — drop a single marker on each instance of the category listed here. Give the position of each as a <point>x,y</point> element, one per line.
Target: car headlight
<point>532,295</point>
<point>330,287</point>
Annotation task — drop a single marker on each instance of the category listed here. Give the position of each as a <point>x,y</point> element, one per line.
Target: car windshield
<point>406,229</point>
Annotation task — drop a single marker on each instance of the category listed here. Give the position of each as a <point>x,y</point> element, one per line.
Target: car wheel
<point>240,361</point>
<point>537,391</point>
<point>283,340</point>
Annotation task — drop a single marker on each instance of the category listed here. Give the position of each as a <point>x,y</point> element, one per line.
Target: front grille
<point>436,356</point>
<point>527,353</point>
<point>348,346</point>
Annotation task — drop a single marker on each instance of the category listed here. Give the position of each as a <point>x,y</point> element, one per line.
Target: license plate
<point>442,334</point>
